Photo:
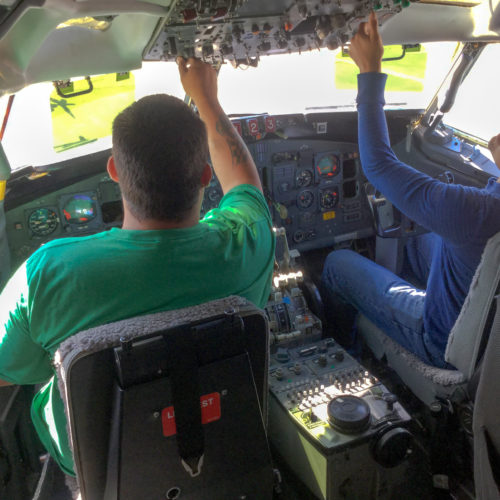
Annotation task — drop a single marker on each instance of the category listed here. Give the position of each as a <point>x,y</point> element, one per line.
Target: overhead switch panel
<point>241,31</point>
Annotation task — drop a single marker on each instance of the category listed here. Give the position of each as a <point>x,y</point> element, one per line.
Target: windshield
<point>324,80</point>
<point>44,128</point>
<point>477,108</point>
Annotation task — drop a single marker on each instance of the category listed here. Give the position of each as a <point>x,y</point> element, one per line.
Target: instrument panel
<point>86,207</point>
<point>314,189</point>
<point>316,192</point>
<point>240,32</point>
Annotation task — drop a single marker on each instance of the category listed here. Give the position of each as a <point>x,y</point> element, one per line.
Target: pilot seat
<point>473,348</point>
<point>170,405</point>
<point>466,342</point>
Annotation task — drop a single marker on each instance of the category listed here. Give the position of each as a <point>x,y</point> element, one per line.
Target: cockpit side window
<point>477,106</point>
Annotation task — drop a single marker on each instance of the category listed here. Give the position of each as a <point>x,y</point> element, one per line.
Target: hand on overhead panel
<point>199,80</point>
<point>494,147</point>
<point>366,47</point>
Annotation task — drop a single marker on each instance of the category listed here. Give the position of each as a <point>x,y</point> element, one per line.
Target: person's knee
<point>335,264</point>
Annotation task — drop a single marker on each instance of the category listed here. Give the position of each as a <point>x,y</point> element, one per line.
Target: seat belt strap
<point>183,368</point>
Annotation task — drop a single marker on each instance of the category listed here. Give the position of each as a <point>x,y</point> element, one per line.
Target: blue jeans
<point>388,301</point>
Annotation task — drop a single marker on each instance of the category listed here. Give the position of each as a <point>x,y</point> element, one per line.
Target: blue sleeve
<point>446,209</point>
<point>22,361</point>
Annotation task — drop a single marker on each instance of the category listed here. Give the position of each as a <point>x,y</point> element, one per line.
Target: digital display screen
<point>328,166</point>
<point>80,209</point>
<point>325,169</point>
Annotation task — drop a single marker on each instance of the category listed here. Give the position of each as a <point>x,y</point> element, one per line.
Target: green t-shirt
<point>73,284</point>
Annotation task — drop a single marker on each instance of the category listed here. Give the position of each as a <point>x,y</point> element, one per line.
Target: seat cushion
<point>425,381</point>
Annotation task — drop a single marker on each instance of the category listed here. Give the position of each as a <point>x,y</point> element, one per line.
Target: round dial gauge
<point>213,194</point>
<point>43,221</point>
<point>305,199</point>
<point>329,198</point>
<point>304,178</point>
<point>328,166</point>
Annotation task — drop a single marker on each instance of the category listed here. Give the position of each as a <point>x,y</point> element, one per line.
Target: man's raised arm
<point>231,159</point>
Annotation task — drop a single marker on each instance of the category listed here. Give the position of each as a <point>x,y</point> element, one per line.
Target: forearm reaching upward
<point>439,207</point>
<point>231,159</point>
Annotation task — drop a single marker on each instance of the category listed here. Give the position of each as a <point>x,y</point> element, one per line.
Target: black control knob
<point>282,355</point>
<point>299,42</point>
<point>282,43</point>
<point>332,43</point>
<point>237,32</point>
<point>323,27</point>
<point>279,374</point>
<point>344,38</point>
<point>338,21</point>
<point>226,50</point>
<point>265,46</point>
<point>207,50</point>
<point>322,360</point>
<point>297,369</point>
<point>390,399</point>
<point>349,414</point>
<point>339,356</point>
<point>392,446</point>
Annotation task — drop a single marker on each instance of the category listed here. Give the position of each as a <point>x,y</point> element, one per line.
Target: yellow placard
<point>2,189</point>
<point>329,215</point>
<point>85,118</point>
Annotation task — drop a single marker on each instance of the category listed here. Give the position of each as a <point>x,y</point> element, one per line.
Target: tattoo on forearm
<point>238,151</point>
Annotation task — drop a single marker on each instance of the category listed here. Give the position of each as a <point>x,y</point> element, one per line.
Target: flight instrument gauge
<point>328,198</point>
<point>80,209</point>
<point>303,178</point>
<point>328,166</point>
<point>305,199</point>
<point>43,221</point>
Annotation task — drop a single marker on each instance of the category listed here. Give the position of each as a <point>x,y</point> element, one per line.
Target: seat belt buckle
<point>195,469</point>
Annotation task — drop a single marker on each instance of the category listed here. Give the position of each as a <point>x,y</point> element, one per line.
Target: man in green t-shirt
<point>163,258</point>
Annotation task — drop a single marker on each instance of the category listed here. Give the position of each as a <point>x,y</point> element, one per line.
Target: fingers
<point>373,25</point>
<point>186,64</point>
<point>182,64</point>
<point>494,142</point>
<point>361,33</point>
<point>368,29</point>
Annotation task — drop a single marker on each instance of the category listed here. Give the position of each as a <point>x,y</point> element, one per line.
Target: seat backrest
<point>485,423</point>
<point>466,341</point>
<point>121,383</point>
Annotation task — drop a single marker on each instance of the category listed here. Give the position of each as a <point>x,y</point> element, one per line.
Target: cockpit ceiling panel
<point>34,47</point>
<point>241,32</point>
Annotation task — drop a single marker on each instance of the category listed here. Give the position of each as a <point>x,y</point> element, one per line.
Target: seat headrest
<point>466,335</point>
<point>109,335</point>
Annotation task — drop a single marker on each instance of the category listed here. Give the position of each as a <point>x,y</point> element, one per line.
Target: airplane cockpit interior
<point>333,417</point>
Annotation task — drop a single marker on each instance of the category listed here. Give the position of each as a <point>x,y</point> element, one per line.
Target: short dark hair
<point>160,149</point>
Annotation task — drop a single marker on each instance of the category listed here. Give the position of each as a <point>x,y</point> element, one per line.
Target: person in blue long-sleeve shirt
<point>461,220</point>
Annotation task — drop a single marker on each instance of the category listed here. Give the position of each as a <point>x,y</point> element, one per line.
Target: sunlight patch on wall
<point>85,118</point>
<point>404,75</point>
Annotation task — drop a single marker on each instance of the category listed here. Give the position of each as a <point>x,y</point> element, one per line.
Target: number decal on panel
<point>237,126</point>
<point>253,126</point>
<point>270,122</point>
